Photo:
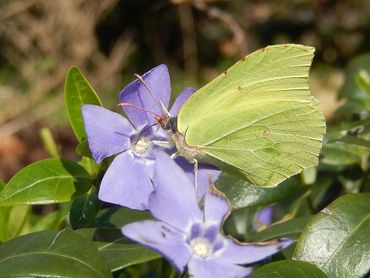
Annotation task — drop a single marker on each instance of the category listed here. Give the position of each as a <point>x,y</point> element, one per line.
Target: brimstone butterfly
<point>257,120</point>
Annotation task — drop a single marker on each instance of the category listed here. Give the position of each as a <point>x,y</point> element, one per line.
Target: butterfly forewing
<point>258,118</point>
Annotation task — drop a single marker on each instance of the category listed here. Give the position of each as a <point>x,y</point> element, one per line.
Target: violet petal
<point>206,174</point>
<point>158,81</point>
<point>108,133</point>
<point>127,182</point>
<point>179,101</point>
<point>216,208</point>
<point>173,200</point>
<point>161,237</point>
<point>210,268</point>
<point>263,217</point>
<point>250,253</point>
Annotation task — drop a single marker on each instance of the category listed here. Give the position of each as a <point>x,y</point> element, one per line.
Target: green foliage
<point>84,209</point>
<point>58,254</point>
<point>330,226</point>
<point>288,269</point>
<point>289,228</point>
<point>78,91</point>
<point>118,252</point>
<point>337,239</point>
<point>244,194</point>
<point>45,182</point>
<point>117,217</point>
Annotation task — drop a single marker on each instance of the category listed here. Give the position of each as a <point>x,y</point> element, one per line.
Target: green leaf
<point>350,88</point>
<point>83,149</point>
<point>342,154</point>
<point>84,209</point>
<point>78,91</point>
<point>118,217</point>
<point>51,254</point>
<point>289,228</point>
<point>337,239</point>
<point>2,184</point>
<point>53,220</point>
<point>90,166</point>
<point>49,143</point>
<point>288,269</point>
<point>117,250</point>
<point>354,141</point>
<point>363,81</point>
<point>4,211</point>
<point>45,182</point>
<point>243,194</point>
<point>17,221</point>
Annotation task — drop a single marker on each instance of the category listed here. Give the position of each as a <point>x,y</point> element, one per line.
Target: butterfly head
<point>167,123</point>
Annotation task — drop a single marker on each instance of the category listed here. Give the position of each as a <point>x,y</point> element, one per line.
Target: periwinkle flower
<point>263,218</point>
<point>188,236</point>
<point>136,140</point>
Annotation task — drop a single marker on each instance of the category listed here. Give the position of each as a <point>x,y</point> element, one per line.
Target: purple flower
<point>190,236</point>
<point>263,218</point>
<point>136,141</point>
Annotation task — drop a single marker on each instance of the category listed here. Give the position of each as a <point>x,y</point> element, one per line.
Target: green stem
<point>173,273</point>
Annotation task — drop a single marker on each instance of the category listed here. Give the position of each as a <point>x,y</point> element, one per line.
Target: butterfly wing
<point>258,119</point>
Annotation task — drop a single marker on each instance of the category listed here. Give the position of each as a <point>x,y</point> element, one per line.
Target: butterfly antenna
<point>124,104</point>
<point>159,103</point>
<point>143,130</point>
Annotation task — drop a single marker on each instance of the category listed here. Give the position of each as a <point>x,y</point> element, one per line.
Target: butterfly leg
<point>164,144</point>
<point>196,175</point>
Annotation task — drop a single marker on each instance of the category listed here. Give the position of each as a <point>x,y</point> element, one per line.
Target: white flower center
<point>142,146</point>
<point>201,247</point>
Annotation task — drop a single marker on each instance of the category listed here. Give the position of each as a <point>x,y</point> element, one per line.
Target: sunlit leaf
<point>45,182</point>
<point>289,228</point>
<point>78,91</point>
<point>51,254</point>
<point>337,239</point>
<point>117,250</point>
<point>288,269</point>
<point>243,194</point>
<point>118,217</point>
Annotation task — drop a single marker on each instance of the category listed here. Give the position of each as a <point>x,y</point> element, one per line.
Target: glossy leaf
<point>289,228</point>
<point>90,166</point>
<point>118,217</point>
<point>53,220</point>
<point>84,209</point>
<point>244,194</point>
<point>288,269</point>
<point>337,239</point>
<point>118,251</point>
<point>45,182</point>
<point>78,91</point>
<point>83,149</point>
<point>51,254</point>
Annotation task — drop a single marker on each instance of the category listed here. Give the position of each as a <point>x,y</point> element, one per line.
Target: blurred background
<point>110,40</point>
